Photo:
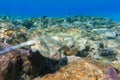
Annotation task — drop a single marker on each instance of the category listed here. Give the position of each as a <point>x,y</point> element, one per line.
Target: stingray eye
<point>3,40</point>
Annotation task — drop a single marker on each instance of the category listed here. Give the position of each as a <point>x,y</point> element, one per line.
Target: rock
<point>106,33</point>
<point>112,74</point>
<point>117,54</point>
<point>20,64</point>
<point>80,43</point>
<point>71,59</point>
<point>109,49</point>
<point>68,51</point>
<point>80,69</point>
<point>10,66</point>
<point>14,36</point>
<point>7,25</point>
<point>116,64</point>
<point>112,44</point>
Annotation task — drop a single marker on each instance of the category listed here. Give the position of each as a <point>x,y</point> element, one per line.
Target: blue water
<point>105,8</point>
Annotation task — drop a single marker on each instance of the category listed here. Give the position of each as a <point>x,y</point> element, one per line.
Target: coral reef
<point>73,48</point>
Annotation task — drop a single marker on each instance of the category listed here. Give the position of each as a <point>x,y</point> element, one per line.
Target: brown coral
<point>15,64</point>
<point>81,69</point>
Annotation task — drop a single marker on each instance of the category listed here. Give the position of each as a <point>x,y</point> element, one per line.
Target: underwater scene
<point>59,40</point>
